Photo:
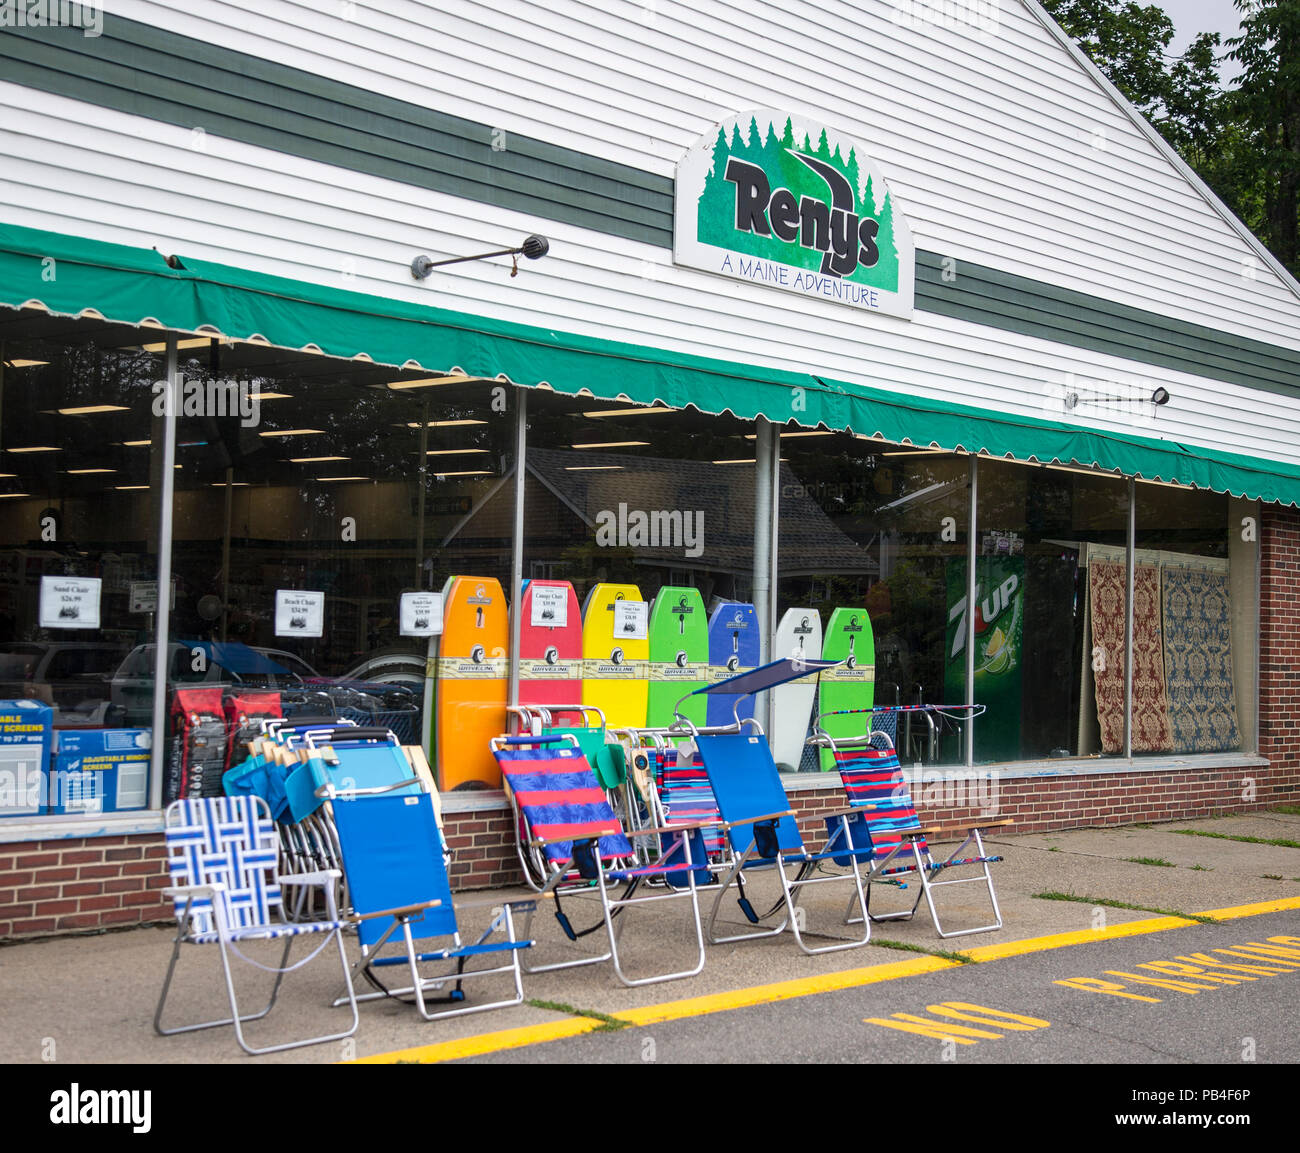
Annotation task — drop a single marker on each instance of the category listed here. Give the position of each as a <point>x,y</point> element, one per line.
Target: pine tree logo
<point>800,203</point>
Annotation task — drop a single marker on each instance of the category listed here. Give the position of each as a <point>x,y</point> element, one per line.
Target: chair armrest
<point>753,820</point>
<point>401,911</point>
<point>180,891</point>
<point>675,827</point>
<point>321,878</point>
<point>965,827</point>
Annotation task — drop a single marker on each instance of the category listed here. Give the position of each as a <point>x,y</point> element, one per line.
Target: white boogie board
<point>799,635</point>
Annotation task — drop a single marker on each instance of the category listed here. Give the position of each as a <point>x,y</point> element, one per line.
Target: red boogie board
<point>550,644</point>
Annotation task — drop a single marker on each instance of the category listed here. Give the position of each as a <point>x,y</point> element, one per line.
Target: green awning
<point>76,277</point>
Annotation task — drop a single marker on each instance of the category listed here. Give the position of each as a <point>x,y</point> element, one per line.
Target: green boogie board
<point>848,638</point>
<point>679,655</point>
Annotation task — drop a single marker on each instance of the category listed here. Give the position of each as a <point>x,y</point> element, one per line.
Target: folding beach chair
<point>399,893</point>
<point>885,818</point>
<point>759,821</point>
<point>567,818</point>
<point>226,890</point>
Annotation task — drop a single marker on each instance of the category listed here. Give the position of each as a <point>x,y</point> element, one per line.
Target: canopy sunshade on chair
<point>568,819</point>
<point>226,890</point>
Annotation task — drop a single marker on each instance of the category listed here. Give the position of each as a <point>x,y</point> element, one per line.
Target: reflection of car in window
<point>73,676</point>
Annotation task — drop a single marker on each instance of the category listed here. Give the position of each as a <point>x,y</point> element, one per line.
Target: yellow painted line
<point>1077,937</point>
<point>806,986</point>
<point>783,991</point>
<point>1281,905</point>
<point>487,1042</point>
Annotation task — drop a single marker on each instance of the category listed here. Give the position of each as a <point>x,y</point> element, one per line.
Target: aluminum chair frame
<point>219,912</point>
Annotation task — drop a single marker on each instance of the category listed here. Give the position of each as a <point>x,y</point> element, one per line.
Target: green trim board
<point>147,71</point>
<point>128,285</point>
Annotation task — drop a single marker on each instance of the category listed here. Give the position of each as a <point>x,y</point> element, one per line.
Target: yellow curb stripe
<point>486,1042</point>
<point>806,986</point>
<point>1281,905</point>
<point>782,991</point>
<point>1078,937</point>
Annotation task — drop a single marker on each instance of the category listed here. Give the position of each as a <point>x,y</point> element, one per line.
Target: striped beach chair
<point>226,890</point>
<point>684,794</point>
<point>569,823</point>
<point>885,818</point>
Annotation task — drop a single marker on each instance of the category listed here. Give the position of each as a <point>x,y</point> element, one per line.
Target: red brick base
<point>86,884</point>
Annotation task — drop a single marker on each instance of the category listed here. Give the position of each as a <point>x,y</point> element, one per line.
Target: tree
<point>1266,107</point>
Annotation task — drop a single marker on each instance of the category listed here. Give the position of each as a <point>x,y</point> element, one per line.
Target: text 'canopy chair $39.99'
<point>226,891</point>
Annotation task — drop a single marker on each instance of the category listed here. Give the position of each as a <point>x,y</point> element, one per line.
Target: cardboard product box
<point>25,732</point>
<point>100,770</point>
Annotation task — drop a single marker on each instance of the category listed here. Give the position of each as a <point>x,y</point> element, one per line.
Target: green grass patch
<point>1281,842</point>
<point>908,947</point>
<point>607,1024</point>
<point>1289,810</point>
<point>1200,868</point>
<point>1150,861</point>
<point>1273,877</point>
<point>1106,902</point>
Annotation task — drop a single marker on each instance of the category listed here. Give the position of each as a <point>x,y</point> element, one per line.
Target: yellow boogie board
<point>616,653</point>
<point>470,706</point>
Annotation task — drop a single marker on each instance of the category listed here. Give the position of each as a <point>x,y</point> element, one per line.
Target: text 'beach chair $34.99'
<point>226,891</point>
<point>887,820</point>
<point>567,817</point>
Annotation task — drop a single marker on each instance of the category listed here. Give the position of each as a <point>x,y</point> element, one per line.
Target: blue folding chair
<point>759,821</point>
<point>226,890</point>
<point>399,894</point>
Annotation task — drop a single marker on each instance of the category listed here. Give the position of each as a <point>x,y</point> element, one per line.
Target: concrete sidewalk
<point>91,998</point>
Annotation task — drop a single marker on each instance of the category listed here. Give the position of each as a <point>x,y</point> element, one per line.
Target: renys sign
<point>782,201</point>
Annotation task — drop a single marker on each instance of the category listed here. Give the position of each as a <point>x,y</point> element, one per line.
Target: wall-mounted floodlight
<point>1160,396</point>
<point>533,248</point>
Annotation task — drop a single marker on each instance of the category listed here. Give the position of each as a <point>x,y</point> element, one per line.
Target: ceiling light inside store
<point>12,495</point>
<point>315,459</point>
<point>137,443</point>
<point>260,396</point>
<point>343,478</point>
<point>129,487</point>
<point>442,423</point>
<point>88,471</point>
<point>614,444</point>
<point>429,381</point>
<point>738,461</point>
<point>36,448</point>
<point>295,432</point>
<point>189,342</point>
<point>477,472</point>
<point>653,410</point>
<point>454,451</point>
<point>593,468</point>
<point>232,484</point>
<point>24,363</point>
<point>91,409</point>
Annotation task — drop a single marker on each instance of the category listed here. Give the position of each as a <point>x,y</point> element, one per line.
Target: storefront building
<point>882,308</point>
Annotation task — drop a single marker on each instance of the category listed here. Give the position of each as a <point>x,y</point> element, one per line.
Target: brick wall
<point>1279,626</point>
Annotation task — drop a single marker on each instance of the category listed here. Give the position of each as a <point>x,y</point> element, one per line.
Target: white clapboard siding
<point>112,176</point>
<point>999,147</point>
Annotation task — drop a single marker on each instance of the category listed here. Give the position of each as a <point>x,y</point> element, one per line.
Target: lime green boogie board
<point>679,655</point>
<point>852,685</point>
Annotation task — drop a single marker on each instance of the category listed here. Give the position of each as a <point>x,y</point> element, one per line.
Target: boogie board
<point>679,655</point>
<point>550,644</point>
<point>799,636</point>
<point>734,646</point>
<point>470,707</point>
<point>852,685</point>
<point>615,649</point>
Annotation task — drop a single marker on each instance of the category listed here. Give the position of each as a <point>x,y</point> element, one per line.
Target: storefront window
<point>78,564</point>
<point>1050,671</point>
<point>882,531</point>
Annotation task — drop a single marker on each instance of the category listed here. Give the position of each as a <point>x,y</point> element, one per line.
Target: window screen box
<point>25,728</point>
<point>100,771</point>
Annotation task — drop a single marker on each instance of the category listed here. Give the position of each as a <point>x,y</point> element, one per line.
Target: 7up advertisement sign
<point>999,638</point>
<point>793,205</point>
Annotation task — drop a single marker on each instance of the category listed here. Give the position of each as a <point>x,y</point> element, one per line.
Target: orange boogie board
<point>471,698</point>
<point>616,650</point>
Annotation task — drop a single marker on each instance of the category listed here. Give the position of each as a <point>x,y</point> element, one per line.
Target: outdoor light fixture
<point>533,248</point>
<point>1160,396</point>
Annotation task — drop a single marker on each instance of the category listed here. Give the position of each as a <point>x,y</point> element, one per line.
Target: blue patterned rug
<point>1198,661</point>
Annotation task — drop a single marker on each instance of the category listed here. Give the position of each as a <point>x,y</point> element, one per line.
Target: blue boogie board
<point>734,647</point>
